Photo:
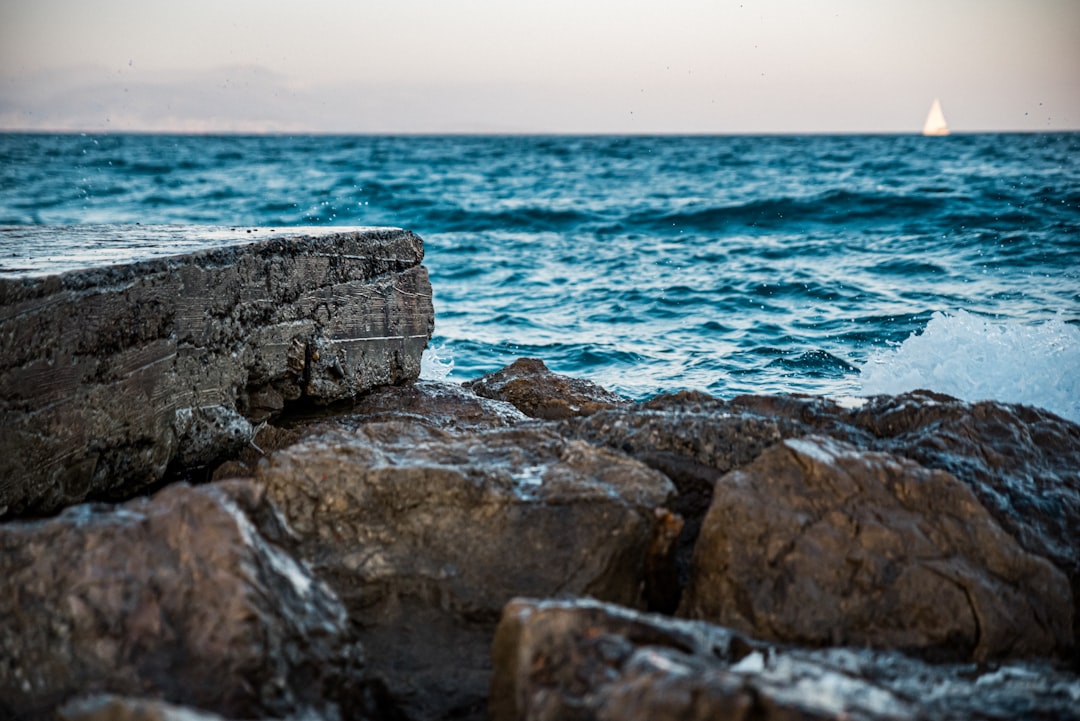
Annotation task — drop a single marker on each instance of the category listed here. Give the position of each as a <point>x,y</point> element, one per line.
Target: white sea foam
<point>436,364</point>
<point>976,359</point>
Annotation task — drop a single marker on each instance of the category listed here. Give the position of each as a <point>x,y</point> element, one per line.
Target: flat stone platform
<point>129,350</point>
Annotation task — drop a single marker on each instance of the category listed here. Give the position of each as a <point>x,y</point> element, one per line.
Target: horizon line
<point>514,133</point>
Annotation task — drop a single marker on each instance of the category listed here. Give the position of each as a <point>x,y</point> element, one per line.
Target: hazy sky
<point>553,66</point>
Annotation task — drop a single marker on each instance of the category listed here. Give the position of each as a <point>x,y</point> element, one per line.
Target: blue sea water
<point>838,265</point>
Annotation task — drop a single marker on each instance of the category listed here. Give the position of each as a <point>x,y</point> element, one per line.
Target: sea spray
<point>976,358</point>
<point>436,363</point>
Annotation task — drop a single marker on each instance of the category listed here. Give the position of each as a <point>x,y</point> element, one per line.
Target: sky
<point>556,66</point>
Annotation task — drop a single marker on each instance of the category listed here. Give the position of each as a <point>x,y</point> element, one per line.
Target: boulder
<point>111,376</point>
<point>589,661</point>
<point>425,533</point>
<point>187,597</point>
<point>693,439</point>
<point>819,543</point>
<point>1022,464</point>
<point>537,392</point>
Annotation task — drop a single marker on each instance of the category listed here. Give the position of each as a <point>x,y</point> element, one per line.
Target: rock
<point>109,375</point>
<point>425,534</point>
<point>537,392</point>
<point>693,439</point>
<point>434,403</point>
<point>1022,464</point>
<point>186,597</point>
<point>819,543</point>
<point>584,660</point>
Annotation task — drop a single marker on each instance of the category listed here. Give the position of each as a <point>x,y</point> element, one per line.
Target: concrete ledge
<point>110,374</point>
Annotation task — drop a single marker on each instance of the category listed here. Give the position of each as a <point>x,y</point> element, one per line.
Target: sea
<point>836,265</point>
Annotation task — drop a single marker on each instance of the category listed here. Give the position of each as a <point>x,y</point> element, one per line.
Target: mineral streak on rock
<point>110,374</point>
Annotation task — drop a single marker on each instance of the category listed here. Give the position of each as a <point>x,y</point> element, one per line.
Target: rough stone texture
<point>435,403</point>
<point>820,543</point>
<point>537,392</point>
<point>586,661</point>
<point>426,533</point>
<point>1023,464</point>
<point>693,439</point>
<point>108,375</point>
<point>180,597</point>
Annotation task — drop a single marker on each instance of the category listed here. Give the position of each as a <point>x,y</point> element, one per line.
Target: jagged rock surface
<point>426,533</point>
<point>583,660</point>
<point>819,543</point>
<point>109,376</point>
<point>537,392</point>
<point>179,597</point>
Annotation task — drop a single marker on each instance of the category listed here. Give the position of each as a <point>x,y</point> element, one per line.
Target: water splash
<point>976,358</point>
<point>436,363</point>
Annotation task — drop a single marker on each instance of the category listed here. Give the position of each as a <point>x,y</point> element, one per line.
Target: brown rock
<point>426,533</point>
<point>537,392</point>
<point>588,661</point>
<point>178,597</point>
<point>1023,464</point>
<point>819,543</point>
<point>434,403</point>
<point>691,438</point>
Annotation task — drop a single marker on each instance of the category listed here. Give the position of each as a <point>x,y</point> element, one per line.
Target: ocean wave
<point>833,207</point>
<point>976,358</point>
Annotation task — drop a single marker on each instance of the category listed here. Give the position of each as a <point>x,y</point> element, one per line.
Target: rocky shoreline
<point>532,546</point>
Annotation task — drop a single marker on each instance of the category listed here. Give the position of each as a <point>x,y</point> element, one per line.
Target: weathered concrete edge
<point>109,376</point>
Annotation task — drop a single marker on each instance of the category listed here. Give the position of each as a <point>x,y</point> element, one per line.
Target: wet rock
<point>819,543</point>
<point>537,392</point>
<point>1022,464</point>
<point>583,660</point>
<point>435,403</point>
<point>110,375</point>
<point>425,534</point>
<point>184,597</point>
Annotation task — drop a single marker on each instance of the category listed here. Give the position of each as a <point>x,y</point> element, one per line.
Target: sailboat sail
<point>935,121</point>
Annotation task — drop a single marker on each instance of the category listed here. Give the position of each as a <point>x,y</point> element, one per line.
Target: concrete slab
<point>127,350</point>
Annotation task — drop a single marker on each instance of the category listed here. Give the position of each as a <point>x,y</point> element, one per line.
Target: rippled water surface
<point>729,264</point>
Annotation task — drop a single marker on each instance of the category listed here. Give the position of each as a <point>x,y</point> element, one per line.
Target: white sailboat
<point>935,121</point>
